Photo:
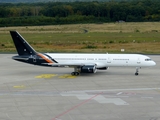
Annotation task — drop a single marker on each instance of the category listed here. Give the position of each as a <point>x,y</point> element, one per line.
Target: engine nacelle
<point>104,68</point>
<point>88,69</point>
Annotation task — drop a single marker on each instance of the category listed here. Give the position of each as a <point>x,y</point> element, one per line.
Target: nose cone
<point>153,63</point>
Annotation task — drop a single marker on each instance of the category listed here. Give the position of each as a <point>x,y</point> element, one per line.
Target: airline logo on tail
<point>47,59</point>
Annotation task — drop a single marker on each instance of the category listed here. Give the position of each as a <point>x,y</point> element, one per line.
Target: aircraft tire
<point>136,74</point>
<point>75,73</point>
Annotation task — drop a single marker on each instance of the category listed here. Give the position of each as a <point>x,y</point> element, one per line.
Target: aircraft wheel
<point>136,74</point>
<point>75,73</point>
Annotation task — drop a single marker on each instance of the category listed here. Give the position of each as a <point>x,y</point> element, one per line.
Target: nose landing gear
<point>137,70</point>
<point>136,73</point>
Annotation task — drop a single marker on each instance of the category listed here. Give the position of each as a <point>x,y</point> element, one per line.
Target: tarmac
<point>29,92</point>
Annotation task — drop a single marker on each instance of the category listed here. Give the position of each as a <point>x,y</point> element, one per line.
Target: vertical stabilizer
<point>22,46</point>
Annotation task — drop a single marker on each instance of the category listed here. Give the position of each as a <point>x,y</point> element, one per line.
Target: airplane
<point>82,63</point>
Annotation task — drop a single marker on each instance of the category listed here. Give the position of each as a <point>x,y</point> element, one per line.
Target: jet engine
<point>103,68</point>
<point>88,69</point>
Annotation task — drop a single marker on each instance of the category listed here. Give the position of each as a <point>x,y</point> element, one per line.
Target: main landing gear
<point>137,70</point>
<point>75,73</point>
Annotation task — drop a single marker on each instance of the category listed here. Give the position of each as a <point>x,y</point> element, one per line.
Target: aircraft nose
<point>154,63</point>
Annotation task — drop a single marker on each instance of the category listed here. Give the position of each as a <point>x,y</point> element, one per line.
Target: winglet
<point>22,46</point>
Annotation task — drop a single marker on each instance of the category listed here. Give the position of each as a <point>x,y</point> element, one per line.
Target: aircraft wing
<point>68,64</point>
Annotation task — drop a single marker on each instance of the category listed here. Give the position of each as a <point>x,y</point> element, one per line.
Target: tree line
<point>50,13</point>
<point>35,1</point>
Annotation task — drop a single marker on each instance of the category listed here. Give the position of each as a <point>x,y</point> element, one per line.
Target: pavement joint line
<point>130,89</point>
<point>76,106</point>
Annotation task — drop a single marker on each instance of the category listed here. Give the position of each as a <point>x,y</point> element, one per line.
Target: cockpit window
<point>148,59</point>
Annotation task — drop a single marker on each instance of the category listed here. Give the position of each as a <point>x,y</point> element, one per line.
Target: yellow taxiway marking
<point>67,76</point>
<point>19,86</point>
<point>46,76</point>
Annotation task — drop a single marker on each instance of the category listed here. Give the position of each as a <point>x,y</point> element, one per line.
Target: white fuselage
<point>82,63</point>
<point>104,60</point>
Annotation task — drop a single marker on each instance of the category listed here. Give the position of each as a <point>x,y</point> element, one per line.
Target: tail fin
<point>22,46</point>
